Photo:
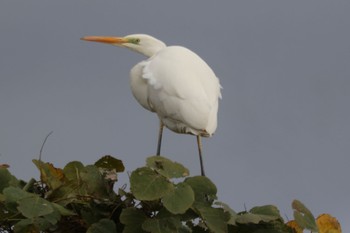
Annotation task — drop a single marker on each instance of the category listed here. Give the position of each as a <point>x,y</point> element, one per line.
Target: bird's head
<point>141,43</point>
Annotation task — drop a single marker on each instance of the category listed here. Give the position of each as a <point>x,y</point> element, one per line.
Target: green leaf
<point>81,181</point>
<point>109,162</point>
<point>52,218</point>
<point>303,216</point>
<point>133,219</point>
<point>25,226</point>
<point>14,194</point>
<point>6,179</point>
<point>63,211</point>
<point>266,213</point>
<point>34,206</point>
<point>148,185</point>
<point>273,227</point>
<point>248,218</point>
<point>93,182</point>
<point>68,193</point>
<point>103,226</point>
<point>179,199</point>
<point>5,211</point>
<point>215,218</point>
<point>204,190</point>
<point>259,214</point>
<point>189,215</point>
<point>164,225</point>
<point>226,208</point>
<point>72,170</point>
<point>266,210</point>
<point>166,167</point>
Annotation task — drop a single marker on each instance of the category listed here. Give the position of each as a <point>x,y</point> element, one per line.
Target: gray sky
<point>283,130</point>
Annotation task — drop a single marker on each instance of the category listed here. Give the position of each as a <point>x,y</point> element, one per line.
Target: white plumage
<point>173,82</point>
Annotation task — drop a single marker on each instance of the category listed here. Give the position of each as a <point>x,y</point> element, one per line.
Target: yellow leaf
<point>50,175</point>
<point>53,172</point>
<point>56,172</point>
<point>294,225</point>
<point>328,224</point>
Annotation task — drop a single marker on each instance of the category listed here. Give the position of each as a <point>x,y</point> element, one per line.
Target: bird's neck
<point>150,49</point>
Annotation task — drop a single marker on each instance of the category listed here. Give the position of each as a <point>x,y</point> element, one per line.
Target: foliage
<point>162,199</point>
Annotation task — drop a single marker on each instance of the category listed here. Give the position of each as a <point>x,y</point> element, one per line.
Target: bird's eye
<point>134,40</point>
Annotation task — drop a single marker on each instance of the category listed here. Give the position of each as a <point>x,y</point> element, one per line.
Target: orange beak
<point>106,39</point>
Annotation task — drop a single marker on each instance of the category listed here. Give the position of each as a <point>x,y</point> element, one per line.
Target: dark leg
<point>199,143</point>
<point>160,134</point>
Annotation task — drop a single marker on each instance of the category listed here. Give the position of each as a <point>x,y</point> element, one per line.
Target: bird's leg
<point>160,134</point>
<point>199,143</point>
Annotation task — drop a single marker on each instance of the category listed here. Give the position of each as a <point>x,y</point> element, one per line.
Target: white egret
<point>173,82</point>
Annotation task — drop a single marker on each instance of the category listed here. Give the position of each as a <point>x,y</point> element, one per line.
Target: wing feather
<point>182,89</point>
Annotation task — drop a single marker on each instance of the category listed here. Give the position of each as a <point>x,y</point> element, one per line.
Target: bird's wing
<point>183,90</point>
<point>139,85</point>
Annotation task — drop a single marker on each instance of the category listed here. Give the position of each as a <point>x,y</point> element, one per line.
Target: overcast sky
<point>283,130</point>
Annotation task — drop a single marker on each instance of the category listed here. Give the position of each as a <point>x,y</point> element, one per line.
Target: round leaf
<point>34,206</point>
<point>204,190</point>
<point>148,185</point>
<point>179,199</point>
<point>14,194</point>
<point>72,170</point>
<point>166,167</point>
<point>327,223</point>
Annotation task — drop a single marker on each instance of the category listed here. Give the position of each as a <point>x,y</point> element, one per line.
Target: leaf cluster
<point>163,198</point>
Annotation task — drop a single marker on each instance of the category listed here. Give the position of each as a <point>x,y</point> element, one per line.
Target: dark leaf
<point>215,218</point>
<point>72,170</point>
<point>6,179</point>
<point>103,226</point>
<point>133,219</point>
<point>163,225</point>
<point>109,162</point>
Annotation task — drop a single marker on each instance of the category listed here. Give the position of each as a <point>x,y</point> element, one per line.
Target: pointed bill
<point>106,39</point>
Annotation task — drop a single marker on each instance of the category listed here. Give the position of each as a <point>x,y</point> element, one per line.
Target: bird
<point>173,82</point>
